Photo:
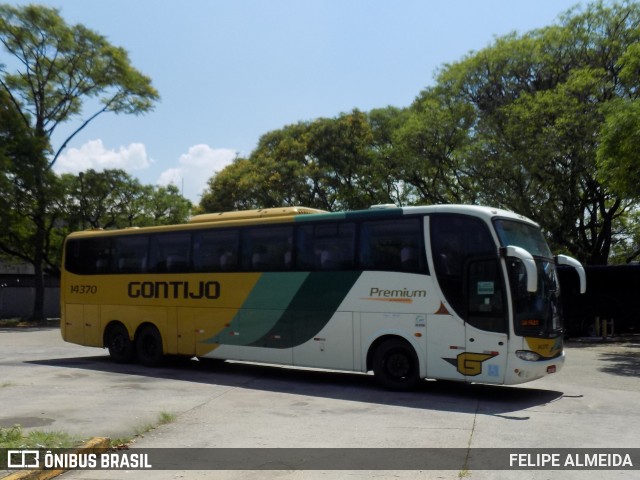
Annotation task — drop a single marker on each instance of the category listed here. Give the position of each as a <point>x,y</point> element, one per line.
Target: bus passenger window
<point>394,245</point>
<point>88,256</point>
<point>215,250</point>
<point>327,246</point>
<point>170,252</point>
<point>266,248</point>
<point>131,253</point>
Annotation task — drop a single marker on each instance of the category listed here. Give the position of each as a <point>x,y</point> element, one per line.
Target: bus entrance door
<point>485,358</point>
<point>486,340</point>
<point>445,342</point>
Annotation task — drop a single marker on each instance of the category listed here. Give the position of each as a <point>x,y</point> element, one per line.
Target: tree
<point>430,149</point>
<point>114,199</point>
<point>167,206</point>
<point>18,151</point>
<point>58,67</point>
<point>540,102</point>
<point>329,163</point>
<point>618,155</point>
<point>387,165</point>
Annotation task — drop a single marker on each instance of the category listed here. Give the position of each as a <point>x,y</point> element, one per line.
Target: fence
<point>17,294</point>
<point>612,296</point>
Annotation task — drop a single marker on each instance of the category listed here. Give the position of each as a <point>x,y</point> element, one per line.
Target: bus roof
<point>481,211</point>
<point>253,214</point>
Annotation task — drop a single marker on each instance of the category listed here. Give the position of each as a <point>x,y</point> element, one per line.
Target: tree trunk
<point>38,303</point>
<point>39,245</point>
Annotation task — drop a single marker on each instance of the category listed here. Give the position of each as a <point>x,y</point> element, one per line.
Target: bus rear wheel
<point>121,348</point>
<point>149,346</point>
<point>395,365</point>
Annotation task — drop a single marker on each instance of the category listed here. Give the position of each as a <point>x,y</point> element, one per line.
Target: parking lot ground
<point>47,384</point>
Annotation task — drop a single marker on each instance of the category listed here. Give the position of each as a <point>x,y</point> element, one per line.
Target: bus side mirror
<point>529,264</point>
<point>572,262</point>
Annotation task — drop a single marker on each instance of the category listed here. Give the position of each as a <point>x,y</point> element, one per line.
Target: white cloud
<point>191,174</point>
<point>172,175</point>
<point>93,154</point>
<point>195,168</point>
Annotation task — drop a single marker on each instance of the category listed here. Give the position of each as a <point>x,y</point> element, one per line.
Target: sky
<point>229,71</point>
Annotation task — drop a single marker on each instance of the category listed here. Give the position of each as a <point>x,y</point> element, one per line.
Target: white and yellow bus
<point>443,292</point>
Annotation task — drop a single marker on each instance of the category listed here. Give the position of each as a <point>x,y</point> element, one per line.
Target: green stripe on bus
<point>310,310</point>
<point>262,309</point>
<point>354,215</point>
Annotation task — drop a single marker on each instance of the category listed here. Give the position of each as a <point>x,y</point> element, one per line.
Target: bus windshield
<point>522,235</point>
<point>539,313</point>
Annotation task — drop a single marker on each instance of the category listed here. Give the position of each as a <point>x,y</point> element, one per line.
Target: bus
<point>452,292</point>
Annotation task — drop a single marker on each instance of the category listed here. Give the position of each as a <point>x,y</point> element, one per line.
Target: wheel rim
<point>149,347</point>
<point>398,365</point>
<point>118,343</point>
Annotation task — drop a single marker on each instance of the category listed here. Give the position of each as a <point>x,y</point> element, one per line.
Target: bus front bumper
<point>521,371</point>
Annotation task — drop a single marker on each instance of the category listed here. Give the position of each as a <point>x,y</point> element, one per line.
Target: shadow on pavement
<point>624,362</point>
<point>623,357</point>
<point>431,395</point>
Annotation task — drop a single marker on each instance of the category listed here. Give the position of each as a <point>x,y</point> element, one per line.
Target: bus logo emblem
<point>469,364</point>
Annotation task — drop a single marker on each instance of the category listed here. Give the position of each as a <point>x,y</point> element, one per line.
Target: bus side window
<point>131,254</point>
<point>88,256</point>
<point>170,252</point>
<point>265,248</point>
<point>306,252</point>
<point>215,250</point>
<point>327,246</point>
<point>394,245</point>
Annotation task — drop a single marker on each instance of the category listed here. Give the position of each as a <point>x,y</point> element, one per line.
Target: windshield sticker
<point>486,288</point>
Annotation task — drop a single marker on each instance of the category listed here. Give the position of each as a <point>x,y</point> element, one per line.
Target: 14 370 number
<point>84,289</point>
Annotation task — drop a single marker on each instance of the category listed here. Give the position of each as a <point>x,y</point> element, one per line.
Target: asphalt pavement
<point>47,384</point>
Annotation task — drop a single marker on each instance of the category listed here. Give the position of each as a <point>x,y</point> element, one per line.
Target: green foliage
<point>546,124</point>
<point>14,437</point>
<point>63,66</point>
<point>58,67</point>
<point>329,164</point>
<point>10,437</point>
<point>429,150</point>
<point>114,199</point>
<point>541,101</point>
<point>618,154</point>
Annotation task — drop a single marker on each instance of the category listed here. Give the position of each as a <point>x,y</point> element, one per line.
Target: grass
<point>14,437</point>
<point>9,322</point>
<point>166,417</point>
<point>163,419</point>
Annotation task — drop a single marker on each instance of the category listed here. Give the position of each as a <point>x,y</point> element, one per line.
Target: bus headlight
<point>527,355</point>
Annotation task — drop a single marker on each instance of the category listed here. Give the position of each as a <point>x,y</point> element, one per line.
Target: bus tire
<point>149,346</point>
<point>121,348</point>
<point>395,365</point>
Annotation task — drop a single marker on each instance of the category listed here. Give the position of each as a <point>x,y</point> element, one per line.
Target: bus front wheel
<point>395,365</point>
<point>120,345</point>
<point>149,346</point>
